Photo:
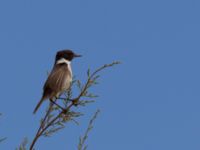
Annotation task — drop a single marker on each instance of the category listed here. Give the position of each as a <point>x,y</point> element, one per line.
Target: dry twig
<point>82,140</point>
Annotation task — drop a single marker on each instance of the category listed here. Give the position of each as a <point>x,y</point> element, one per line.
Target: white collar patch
<point>63,60</point>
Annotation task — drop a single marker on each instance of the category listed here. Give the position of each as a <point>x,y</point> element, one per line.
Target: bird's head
<point>68,55</point>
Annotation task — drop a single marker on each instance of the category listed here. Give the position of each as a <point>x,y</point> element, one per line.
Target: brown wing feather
<point>56,80</point>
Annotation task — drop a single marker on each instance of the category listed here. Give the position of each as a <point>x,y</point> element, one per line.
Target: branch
<point>56,118</point>
<point>82,140</point>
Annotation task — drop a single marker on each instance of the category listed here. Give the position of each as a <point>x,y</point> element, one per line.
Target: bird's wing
<point>56,80</point>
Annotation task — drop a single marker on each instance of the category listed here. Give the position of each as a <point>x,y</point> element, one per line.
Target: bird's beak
<point>77,55</point>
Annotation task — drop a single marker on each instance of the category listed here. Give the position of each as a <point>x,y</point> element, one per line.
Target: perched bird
<point>60,77</point>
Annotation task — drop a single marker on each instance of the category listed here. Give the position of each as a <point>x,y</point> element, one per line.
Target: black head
<point>66,54</point>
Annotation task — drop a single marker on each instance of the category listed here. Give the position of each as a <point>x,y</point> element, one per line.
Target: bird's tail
<point>38,105</point>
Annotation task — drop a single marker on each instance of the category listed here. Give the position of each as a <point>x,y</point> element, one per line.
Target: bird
<point>60,78</point>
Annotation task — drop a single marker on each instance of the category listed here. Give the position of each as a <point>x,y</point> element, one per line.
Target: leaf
<point>51,131</point>
<point>88,72</point>
<point>85,102</point>
<point>23,145</point>
<point>79,85</point>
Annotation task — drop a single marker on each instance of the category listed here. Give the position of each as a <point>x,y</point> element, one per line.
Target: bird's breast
<point>68,78</point>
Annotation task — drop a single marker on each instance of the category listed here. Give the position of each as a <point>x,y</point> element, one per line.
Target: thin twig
<point>40,128</point>
<point>81,145</point>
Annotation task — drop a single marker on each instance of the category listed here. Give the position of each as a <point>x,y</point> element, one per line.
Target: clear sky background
<point>150,102</point>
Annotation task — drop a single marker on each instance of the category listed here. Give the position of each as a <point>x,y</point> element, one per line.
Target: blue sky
<point>150,102</point>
